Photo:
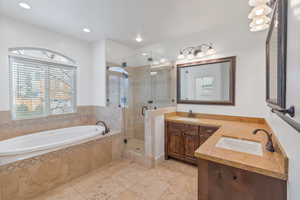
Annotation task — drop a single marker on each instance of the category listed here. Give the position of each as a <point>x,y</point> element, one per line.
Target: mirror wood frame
<point>230,102</point>
<point>281,6</point>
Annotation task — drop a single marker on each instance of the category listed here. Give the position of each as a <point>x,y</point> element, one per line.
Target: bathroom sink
<point>187,119</point>
<point>245,146</point>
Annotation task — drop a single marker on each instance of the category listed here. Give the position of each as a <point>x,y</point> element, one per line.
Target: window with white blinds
<point>40,88</point>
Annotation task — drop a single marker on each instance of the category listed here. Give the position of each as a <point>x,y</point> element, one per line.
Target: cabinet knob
<point>234,177</point>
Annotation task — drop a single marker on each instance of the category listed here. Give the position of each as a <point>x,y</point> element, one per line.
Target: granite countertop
<point>270,164</point>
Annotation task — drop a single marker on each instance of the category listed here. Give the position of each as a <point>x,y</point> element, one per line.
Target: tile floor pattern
<point>136,145</point>
<point>126,180</point>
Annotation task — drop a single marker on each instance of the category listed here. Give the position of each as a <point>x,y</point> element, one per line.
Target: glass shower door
<point>162,86</point>
<point>139,91</point>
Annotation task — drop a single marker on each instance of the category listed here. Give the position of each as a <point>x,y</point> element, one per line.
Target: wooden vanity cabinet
<point>221,182</point>
<point>182,140</point>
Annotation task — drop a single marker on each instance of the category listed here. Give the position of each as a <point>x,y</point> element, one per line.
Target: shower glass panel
<point>162,90</point>
<point>117,87</point>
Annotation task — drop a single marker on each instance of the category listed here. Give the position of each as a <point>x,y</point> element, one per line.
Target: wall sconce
<point>197,51</point>
<point>259,15</point>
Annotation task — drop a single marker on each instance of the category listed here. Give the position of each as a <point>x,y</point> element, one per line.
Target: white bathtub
<point>30,145</point>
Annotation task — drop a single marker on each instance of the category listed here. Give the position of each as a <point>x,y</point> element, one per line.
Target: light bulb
<point>260,28</point>
<point>200,54</point>
<point>180,56</point>
<point>190,56</point>
<point>258,2</point>
<point>211,51</point>
<point>260,21</point>
<point>259,11</point>
<point>139,38</point>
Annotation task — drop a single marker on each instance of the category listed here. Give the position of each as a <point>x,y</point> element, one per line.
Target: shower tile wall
<point>111,115</point>
<point>86,115</point>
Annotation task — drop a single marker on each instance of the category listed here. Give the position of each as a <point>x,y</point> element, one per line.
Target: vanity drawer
<point>191,130</point>
<point>208,130</point>
<point>184,128</point>
<point>176,126</point>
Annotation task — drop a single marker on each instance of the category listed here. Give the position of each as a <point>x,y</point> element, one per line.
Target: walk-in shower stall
<point>138,89</point>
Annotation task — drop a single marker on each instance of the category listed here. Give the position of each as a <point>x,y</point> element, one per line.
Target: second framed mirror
<point>209,82</point>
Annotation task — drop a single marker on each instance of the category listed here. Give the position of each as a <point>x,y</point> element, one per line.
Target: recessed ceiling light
<point>139,38</point>
<point>144,54</point>
<point>87,30</point>
<point>24,5</point>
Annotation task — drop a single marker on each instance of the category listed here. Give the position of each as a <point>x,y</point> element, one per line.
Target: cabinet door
<point>175,142</point>
<point>191,144</point>
<point>206,132</point>
<point>218,182</point>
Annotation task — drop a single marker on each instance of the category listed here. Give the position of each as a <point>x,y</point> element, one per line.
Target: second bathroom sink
<point>245,146</point>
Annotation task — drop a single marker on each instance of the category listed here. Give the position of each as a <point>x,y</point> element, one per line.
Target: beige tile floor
<point>135,145</point>
<point>126,180</point>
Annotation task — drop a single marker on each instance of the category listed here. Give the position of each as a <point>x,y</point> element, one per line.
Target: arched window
<point>43,82</point>
<point>42,54</point>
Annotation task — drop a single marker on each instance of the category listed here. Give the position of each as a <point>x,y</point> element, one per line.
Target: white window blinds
<point>62,90</point>
<point>41,88</point>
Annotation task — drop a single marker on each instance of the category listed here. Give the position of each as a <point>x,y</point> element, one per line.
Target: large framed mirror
<point>276,45</point>
<point>210,82</point>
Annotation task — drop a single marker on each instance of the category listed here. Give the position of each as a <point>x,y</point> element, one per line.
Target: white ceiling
<point>122,20</point>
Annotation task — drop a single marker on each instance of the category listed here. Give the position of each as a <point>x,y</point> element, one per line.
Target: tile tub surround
<point>28,178</point>
<point>85,115</point>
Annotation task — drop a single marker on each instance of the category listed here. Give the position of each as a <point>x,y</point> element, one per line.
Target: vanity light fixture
<point>197,51</point>
<point>24,5</point>
<point>259,14</point>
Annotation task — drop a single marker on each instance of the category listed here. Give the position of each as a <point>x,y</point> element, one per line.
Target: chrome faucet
<point>269,145</point>
<point>106,131</point>
<point>191,114</point>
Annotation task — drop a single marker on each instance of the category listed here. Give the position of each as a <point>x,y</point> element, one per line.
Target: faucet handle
<point>190,113</point>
